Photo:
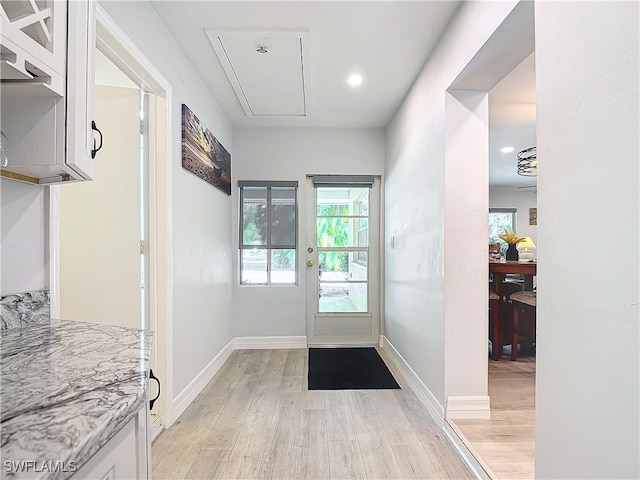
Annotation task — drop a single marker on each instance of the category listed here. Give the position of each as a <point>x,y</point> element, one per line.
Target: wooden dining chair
<point>524,320</point>
<point>496,329</point>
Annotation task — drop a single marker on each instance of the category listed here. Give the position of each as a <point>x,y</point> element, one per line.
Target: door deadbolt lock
<point>310,249</point>
<point>309,263</point>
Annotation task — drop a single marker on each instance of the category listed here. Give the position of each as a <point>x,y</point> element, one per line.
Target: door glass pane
<point>337,227</point>
<point>254,216</point>
<point>283,266</point>
<point>283,216</point>
<point>341,266</point>
<point>342,201</point>
<point>254,266</point>
<point>337,297</point>
<point>362,238</point>
<point>342,232</point>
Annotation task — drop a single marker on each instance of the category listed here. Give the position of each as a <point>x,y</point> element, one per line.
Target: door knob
<point>309,263</point>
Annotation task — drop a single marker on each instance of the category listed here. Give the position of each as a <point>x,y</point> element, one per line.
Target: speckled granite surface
<point>20,309</point>
<point>66,388</point>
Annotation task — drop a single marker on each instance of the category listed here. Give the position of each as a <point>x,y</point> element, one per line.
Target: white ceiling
<point>107,74</point>
<point>388,42</point>
<point>512,122</point>
<point>266,69</point>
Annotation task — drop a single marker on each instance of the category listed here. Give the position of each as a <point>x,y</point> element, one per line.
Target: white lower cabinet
<point>124,457</point>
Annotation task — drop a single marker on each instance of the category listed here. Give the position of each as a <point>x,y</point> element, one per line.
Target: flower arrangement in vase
<point>512,240</point>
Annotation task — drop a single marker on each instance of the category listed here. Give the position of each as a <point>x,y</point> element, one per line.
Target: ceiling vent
<point>267,70</point>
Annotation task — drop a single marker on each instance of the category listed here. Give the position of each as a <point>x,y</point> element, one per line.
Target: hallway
<point>256,419</point>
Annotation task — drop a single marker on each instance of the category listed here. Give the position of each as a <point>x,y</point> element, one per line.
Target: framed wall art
<point>202,153</point>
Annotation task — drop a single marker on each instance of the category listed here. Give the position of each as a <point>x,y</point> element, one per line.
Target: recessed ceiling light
<point>506,149</point>
<point>355,80</point>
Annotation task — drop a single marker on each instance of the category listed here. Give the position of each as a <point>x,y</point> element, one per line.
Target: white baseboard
<point>250,343</point>
<point>191,391</point>
<point>420,389</point>
<point>155,428</point>
<point>468,407</point>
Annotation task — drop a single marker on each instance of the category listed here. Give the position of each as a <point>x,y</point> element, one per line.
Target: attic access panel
<point>265,69</point>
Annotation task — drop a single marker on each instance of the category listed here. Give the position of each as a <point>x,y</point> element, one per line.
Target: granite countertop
<point>66,388</point>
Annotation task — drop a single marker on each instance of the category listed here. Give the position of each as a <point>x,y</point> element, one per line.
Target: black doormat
<point>348,369</point>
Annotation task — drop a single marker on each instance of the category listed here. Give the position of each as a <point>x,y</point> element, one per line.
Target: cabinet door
<point>81,41</point>
<point>118,459</point>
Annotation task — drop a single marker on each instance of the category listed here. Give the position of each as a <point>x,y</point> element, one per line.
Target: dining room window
<point>268,233</point>
<point>501,219</point>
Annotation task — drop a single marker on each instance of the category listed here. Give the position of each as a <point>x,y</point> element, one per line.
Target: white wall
<point>415,203</point>
<point>588,365</point>
<point>291,154</point>
<point>520,199</point>
<point>465,228</point>
<point>201,213</point>
<point>23,258</point>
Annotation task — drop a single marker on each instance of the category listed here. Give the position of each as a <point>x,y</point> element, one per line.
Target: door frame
<point>123,52</point>
<point>374,272</point>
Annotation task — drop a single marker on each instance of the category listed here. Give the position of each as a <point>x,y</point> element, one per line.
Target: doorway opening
<point>155,242</point>
<point>509,122</point>
<point>141,90</point>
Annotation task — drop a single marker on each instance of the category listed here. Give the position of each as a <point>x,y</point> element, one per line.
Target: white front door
<point>101,264</point>
<point>343,264</point>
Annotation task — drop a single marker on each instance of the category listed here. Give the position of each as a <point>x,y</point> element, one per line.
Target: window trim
<point>267,246</point>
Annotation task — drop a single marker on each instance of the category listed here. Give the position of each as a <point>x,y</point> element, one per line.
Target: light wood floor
<point>256,419</point>
<point>506,443</point>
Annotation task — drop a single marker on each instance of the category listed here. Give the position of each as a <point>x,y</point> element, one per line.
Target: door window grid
<point>268,234</point>
<point>342,254</point>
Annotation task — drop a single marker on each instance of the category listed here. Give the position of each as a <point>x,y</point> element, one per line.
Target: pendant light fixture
<point>528,162</point>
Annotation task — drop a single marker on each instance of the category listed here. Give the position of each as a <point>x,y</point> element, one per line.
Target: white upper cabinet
<point>80,80</point>
<point>34,41</point>
<point>47,73</point>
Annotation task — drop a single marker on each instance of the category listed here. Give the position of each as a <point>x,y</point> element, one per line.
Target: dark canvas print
<point>203,154</point>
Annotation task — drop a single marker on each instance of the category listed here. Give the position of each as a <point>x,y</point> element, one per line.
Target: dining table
<point>499,270</point>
